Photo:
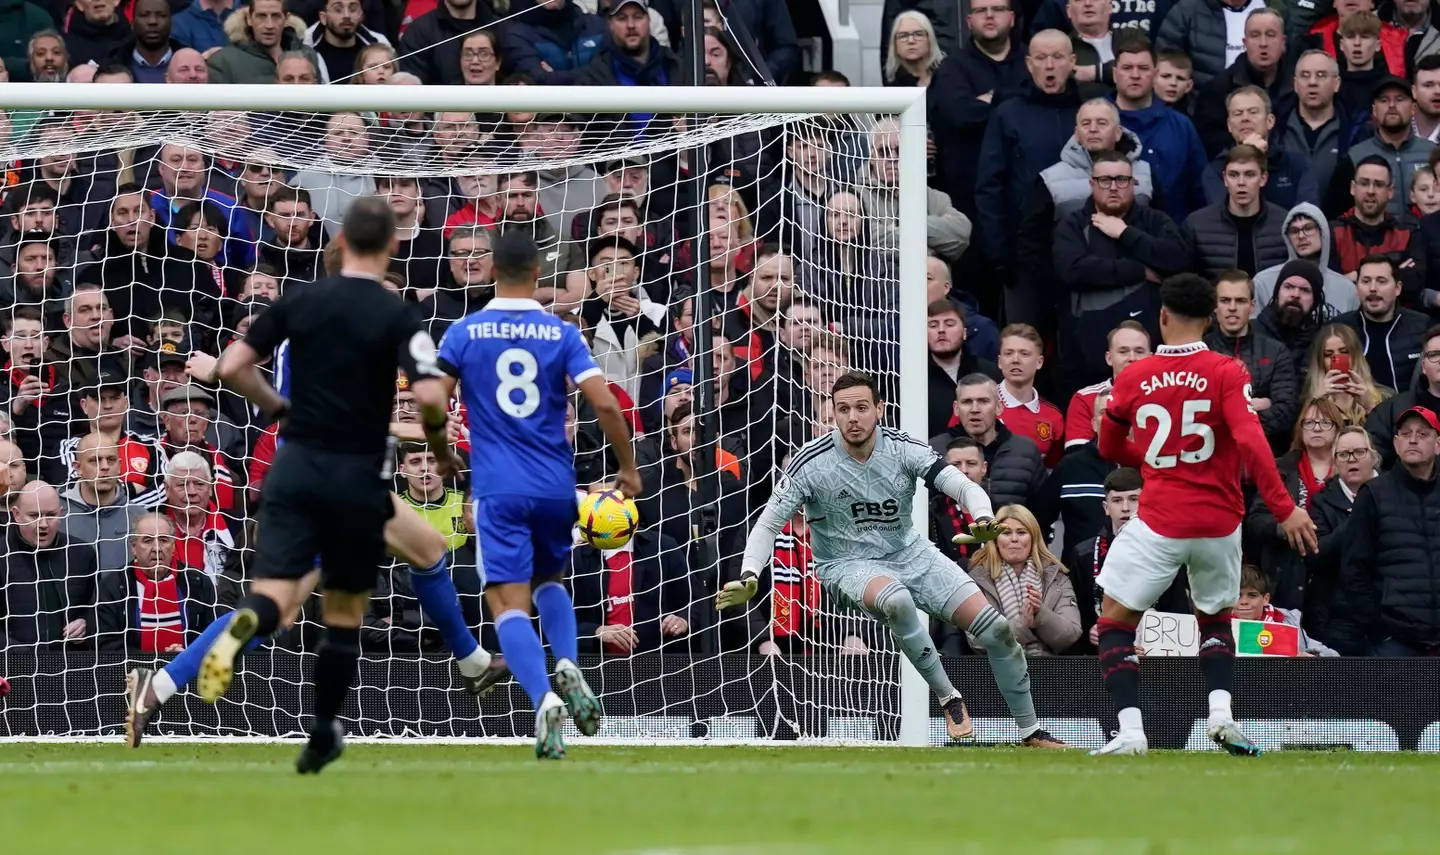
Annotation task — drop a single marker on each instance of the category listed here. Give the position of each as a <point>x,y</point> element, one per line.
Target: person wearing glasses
<point>1307,236</point>
<point>1327,615</point>
<point>1110,255</point>
<point>1304,470</point>
<point>1369,226</point>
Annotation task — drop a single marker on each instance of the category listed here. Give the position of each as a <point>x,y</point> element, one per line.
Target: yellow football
<point>608,518</point>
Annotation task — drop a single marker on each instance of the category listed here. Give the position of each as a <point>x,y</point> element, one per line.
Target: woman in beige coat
<point>1028,584</point>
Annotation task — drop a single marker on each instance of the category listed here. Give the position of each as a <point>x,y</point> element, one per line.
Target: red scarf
<point>619,594</point>
<point>161,626</point>
<point>1309,485</point>
<point>190,551</point>
<point>960,522</point>
<point>797,591</point>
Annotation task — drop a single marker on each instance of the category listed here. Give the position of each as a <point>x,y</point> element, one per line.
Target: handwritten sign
<point>1168,634</point>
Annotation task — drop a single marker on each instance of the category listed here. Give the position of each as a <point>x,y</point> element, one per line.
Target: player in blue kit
<point>512,359</point>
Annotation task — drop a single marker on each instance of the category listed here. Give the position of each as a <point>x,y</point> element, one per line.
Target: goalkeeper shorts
<point>934,581</point>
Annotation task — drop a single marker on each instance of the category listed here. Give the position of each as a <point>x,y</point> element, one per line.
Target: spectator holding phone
<point>629,317</point>
<point>1339,372</point>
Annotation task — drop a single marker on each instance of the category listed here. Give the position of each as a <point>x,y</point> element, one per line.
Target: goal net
<point>135,237</point>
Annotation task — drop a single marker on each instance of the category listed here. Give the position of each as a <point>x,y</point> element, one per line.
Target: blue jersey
<point>512,359</point>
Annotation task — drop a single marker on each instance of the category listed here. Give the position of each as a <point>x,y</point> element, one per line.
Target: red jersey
<point>1038,420</point>
<point>1080,417</point>
<point>1194,432</point>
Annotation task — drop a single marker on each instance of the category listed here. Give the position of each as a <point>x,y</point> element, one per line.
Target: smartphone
<point>1340,362</point>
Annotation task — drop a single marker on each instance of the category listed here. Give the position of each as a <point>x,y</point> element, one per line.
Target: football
<point>608,518</point>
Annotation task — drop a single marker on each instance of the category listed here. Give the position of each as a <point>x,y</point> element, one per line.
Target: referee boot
<point>325,747</point>
<point>218,667</point>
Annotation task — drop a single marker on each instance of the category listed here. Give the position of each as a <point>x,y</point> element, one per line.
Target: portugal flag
<point>1258,638</point>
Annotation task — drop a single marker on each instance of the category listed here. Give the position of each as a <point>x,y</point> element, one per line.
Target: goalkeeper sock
<point>335,666</point>
<point>436,592</point>
<point>1217,662</point>
<point>557,619</point>
<point>1120,669</point>
<point>185,667</point>
<point>523,653</point>
<point>1007,664</point>
<point>898,610</point>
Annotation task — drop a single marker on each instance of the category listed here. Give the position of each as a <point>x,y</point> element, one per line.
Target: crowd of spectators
<point>1079,153</point>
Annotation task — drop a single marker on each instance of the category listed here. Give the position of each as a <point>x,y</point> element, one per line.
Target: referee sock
<point>523,653</point>
<point>557,619</point>
<point>185,667</point>
<point>436,592</point>
<point>334,672</point>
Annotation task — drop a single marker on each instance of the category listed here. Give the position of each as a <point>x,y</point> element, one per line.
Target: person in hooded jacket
<point>1307,236</point>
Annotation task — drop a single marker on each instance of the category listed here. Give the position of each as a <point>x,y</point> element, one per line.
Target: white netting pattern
<point>133,239</point>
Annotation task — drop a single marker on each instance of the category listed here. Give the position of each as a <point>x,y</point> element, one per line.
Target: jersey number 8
<point>1164,423</point>
<point>510,381</point>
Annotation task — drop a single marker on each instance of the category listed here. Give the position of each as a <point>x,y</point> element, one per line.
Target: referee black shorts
<point>327,505</point>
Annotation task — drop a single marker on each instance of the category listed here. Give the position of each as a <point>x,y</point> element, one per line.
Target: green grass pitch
<point>419,799</point>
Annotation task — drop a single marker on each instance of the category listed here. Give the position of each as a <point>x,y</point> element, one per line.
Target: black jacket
<point>430,48</point>
<point>1328,616</point>
<point>1272,375</point>
<point>660,586</point>
<point>1296,340</point>
<point>1390,563</point>
<point>1210,119</point>
<point>1283,566</point>
<point>1392,349</point>
<point>1075,494</point>
<point>1017,471</point>
<point>127,277</point>
<point>942,388</point>
<point>42,590</point>
<point>1380,424</point>
<point>1215,238</point>
<point>958,117</point>
<point>118,612</point>
<point>40,428</point>
<point>1025,135</point>
<point>661,68</point>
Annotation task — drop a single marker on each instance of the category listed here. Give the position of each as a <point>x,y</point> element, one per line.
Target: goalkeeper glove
<point>981,531</point>
<point>735,593</point>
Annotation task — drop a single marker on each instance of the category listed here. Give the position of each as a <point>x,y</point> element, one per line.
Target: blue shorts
<point>522,538</point>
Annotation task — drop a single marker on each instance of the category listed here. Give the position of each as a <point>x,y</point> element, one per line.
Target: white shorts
<point>1142,564</point>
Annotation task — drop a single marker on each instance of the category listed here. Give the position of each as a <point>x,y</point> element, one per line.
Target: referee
<point>326,495</point>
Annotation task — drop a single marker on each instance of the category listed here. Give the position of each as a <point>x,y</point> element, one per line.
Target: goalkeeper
<point>857,484</point>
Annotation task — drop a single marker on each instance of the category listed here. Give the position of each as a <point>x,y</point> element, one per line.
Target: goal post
<point>142,116</point>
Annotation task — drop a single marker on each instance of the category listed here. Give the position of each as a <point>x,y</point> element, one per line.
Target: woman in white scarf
<point>1028,584</point>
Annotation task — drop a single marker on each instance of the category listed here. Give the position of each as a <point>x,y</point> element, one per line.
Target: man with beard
<point>339,36</point>
<point>1110,255</point>
<point>1274,386</point>
<point>521,212</point>
<point>632,57</point>
<point>49,61</point>
<point>1392,337</point>
<point>950,360</point>
<point>150,51</point>
<point>1307,236</point>
<point>1369,227</point>
<point>1297,311</point>
<point>291,240</point>
<point>37,280</point>
<point>1391,111</point>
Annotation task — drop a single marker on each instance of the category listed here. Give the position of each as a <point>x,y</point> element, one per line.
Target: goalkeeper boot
<point>957,720</point>
<point>140,704</point>
<point>325,747</point>
<point>481,684</point>
<point>1228,736</point>
<point>1125,742</point>
<point>1042,738</point>
<point>218,667</point>
<point>549,722</point>
<point>584,707</point>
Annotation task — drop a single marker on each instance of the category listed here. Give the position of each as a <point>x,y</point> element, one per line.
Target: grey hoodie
<point>106,528</point>
<point>1340,292</point>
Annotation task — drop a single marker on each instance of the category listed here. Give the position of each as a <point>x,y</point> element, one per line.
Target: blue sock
<point>185,667</point>
<point>523,653</point>
<point>436,592</point>
<point>557,618</point>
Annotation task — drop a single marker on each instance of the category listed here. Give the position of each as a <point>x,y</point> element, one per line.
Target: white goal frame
<point>906,103</point>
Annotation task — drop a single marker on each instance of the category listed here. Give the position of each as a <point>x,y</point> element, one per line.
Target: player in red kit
<point>1188,411</point>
